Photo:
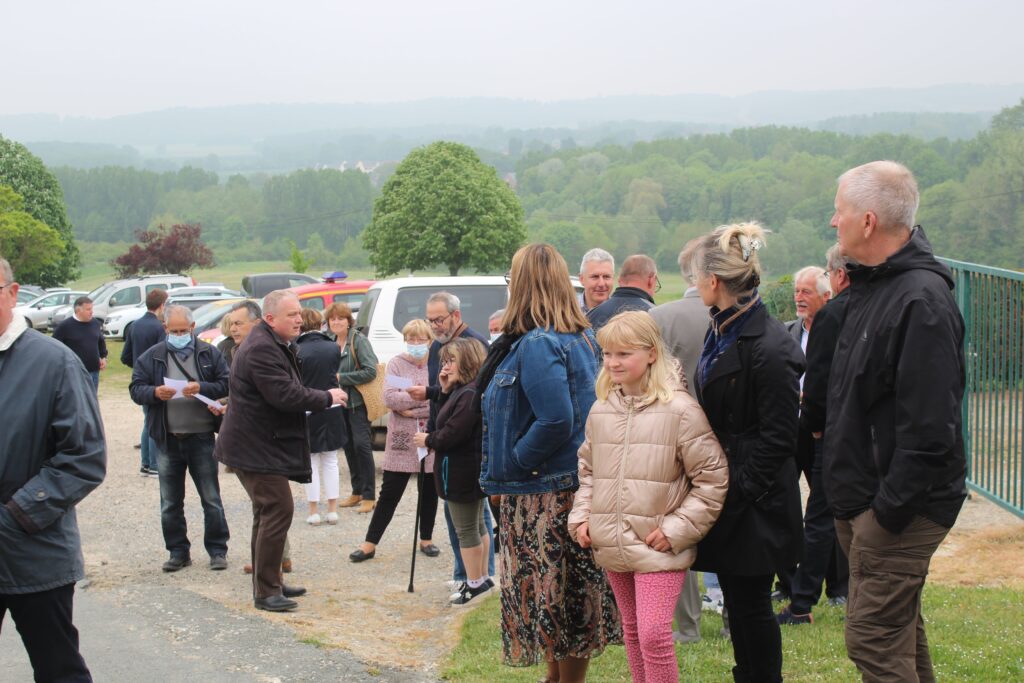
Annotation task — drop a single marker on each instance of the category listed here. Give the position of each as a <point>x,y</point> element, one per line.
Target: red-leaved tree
<point>177,249</point>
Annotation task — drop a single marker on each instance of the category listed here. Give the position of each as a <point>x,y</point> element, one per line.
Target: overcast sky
<point>108,57</point>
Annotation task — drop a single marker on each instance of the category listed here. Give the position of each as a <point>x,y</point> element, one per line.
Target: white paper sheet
<point>398,382</point>
<point>336,405</point>
<point>177,385</point>
<point>422,453</point>
<point>210,402</point>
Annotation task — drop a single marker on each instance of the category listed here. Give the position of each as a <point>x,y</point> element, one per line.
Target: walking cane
<point>422,454</point>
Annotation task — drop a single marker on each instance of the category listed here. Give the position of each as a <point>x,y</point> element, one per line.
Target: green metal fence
<point>992,303</point>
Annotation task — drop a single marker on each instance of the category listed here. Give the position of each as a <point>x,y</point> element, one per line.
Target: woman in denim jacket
<point>537,387</point>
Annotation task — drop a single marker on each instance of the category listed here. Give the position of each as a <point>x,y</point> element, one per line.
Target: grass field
<point>975,634</point>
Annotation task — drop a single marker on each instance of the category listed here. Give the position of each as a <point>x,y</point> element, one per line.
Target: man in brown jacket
<point>264,438</point>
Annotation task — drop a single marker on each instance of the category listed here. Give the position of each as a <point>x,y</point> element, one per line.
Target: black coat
<point>142,335</point>
<point>319,356</point>
<point>149,371</point>
<point>893,431</point>
<point>751,399</point>
<point>264,429</point>
<point>821,347</point>
<point>457,443</point>
<point>622,299</point>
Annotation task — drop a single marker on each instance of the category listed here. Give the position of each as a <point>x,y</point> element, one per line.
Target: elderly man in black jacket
<point>142,335</point>
<point>638,283</point>
<point>264,438</point>
<point>182,427</point>
<point>894,453</point>
<point>52,455</point>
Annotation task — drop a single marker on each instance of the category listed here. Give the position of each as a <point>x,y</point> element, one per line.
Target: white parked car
<point>37,311</point>
<point>124,294</point>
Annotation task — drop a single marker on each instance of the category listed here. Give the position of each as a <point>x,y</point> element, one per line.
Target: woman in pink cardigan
<point>407,417</point>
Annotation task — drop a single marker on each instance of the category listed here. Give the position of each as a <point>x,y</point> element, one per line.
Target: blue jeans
<point>194,453</point>
<point>459,573</point>
<point>149,447</point>
<point>95,381</point>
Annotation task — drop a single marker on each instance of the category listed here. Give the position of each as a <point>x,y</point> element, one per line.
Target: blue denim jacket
<point>534,411</point>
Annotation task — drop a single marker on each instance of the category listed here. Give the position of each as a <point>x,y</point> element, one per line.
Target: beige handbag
<point>372,391</point>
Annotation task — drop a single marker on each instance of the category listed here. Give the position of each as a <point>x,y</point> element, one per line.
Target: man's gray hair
<point>835,259</point>
<point>885,187</point>
<point>273,300</point>
<point>597,254</point>
<point>497,314</point>
<point>178,309</point>
<point>450,301</point>
<point>251,306</point>
<point>821,283</point>
<point>6,272</point>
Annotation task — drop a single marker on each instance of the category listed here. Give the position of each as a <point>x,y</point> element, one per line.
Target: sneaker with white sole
<point>313,519</point>
<point>331,518</point>
<point>467,594</point>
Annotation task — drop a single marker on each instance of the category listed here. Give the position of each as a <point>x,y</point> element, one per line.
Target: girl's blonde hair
<point>540,293</point>
<point>730,253</point>
<point>637,330</point>
<point>468,355</point>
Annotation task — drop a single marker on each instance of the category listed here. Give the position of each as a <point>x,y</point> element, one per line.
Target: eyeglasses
<point>436,322</point>
<point>657,284</point>
<point>448,361</point>
<point>508,278</point>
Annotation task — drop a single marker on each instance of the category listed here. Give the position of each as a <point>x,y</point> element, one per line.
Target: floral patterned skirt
<point>555,602</point>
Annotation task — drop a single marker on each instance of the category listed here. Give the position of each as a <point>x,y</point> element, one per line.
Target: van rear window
<point>477,302</point>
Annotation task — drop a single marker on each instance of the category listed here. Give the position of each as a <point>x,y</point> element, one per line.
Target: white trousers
<point>329,462</point>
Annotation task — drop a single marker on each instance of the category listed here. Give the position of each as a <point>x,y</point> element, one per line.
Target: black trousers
<point>756,638</point>
<point>51,640</point>
<point>391,491</point>
<point>359,452</point>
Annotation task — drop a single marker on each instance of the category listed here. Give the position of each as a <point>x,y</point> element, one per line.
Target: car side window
<point>316,303</point>
<point>129,296</point>
<point>150,288</point>
<point>52,300</point>
<point>296,282</point>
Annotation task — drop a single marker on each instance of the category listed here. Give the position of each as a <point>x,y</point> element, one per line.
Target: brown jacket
<point>647,464</point>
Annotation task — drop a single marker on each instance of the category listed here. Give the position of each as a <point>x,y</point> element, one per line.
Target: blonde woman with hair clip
<point>747,381</point>
<point>653,479</point>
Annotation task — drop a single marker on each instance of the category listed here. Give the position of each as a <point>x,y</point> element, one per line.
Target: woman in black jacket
<point>747,381</point>
<point>319,357</point>
<point>456,441</point>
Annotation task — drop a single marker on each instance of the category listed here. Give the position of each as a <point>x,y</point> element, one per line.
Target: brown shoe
<point>247,569</point>
<point>350,502</point>
<point>286,566</point>
<point>367,506</point>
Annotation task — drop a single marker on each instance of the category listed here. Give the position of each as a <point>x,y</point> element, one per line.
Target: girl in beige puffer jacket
<point>653,480</point>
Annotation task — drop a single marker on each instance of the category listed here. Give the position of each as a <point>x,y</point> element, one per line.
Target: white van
<point>120,295</point>
<point>390,304</point>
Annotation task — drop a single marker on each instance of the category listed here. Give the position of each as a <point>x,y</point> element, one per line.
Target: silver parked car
<point>37,312</point>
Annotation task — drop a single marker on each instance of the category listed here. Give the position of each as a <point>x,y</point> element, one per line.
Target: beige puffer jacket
<point>646,464</point>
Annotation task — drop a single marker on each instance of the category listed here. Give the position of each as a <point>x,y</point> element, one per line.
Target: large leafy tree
<point>29,245</point>
<point>444,206</point>
<point>43,200</point>
<point>177,249</point>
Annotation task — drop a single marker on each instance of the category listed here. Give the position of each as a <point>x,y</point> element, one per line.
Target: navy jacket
<point>622,299</point>
<point>142,335</point>
<point>319,357</point>
<point>150,370</point>
<point>52,455</point>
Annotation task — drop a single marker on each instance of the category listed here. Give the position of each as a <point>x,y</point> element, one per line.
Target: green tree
<point>300,263</point>
<point>29,245</point>
<point>43,200</point>
<point>443,206</point>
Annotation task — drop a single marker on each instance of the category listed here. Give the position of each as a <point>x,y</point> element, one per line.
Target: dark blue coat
<point>622,299</point>
<point>143,334</point>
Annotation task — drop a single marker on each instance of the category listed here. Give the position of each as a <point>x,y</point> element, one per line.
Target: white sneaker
<point>331,518</point>
<point>314,519</point>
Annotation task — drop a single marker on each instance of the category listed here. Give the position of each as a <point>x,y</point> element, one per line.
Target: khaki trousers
<point>885,635</point>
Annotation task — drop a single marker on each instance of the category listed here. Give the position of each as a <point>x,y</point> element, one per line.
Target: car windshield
<point>100,291</point>
<point>209,315</point>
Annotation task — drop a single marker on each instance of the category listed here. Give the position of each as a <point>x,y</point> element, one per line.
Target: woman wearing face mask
<point>407,417</point>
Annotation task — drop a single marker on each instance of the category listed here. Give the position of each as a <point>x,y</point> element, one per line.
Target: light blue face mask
<point>494,336</point>
<point>417,351</point>
<point>179,341</point>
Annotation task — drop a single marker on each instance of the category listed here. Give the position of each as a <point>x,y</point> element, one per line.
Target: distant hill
<point>246,124</point>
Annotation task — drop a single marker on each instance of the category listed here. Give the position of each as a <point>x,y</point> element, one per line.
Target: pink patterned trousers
<point>646,602</point>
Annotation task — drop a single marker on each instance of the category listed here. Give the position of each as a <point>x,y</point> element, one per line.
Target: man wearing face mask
<point>183,428</point>
<point>494,324</point>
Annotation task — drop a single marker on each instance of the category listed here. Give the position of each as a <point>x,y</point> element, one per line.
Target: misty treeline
<point>648,197</point>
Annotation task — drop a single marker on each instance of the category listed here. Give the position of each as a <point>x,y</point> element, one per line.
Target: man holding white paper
<point>172,379</point>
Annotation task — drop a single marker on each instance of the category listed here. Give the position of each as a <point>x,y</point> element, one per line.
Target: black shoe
<point>430,550</point>
<point>292,591</point>
<point>358,555</point>
<point>490,582</point>
<point>138,446</point>
<point>173,564</point>
<point>218,562</point>
<point>787,617</point>
<point>275,603</point>
<point>467,593</point>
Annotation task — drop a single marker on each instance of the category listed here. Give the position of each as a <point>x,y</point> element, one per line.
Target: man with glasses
<point>52,455</point>
<point>445,319</point>
<point>638,283</point>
